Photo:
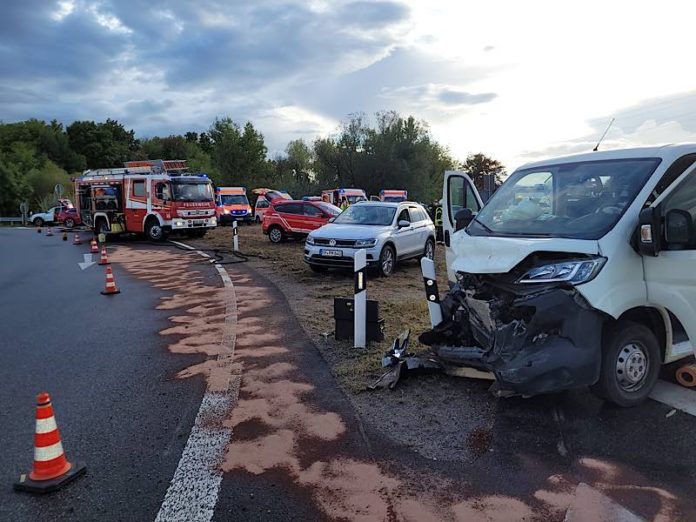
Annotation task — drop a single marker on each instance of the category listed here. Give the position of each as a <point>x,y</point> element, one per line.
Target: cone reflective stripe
<point>93,248</point>
<point>103,260</point>
<point>51,468</point>
<point>49,232</point>
<point>77,240</point>
<point>110,284</point>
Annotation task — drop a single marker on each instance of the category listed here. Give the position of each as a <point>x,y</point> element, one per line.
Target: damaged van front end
<point>530,326</point>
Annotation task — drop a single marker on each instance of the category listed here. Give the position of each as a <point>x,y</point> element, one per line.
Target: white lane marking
<point>675,396</point>
<point>193,492</point>
<point>87,261</point>
<point>590,505</point>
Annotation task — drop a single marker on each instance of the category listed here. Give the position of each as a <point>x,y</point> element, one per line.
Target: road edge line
<point>193,491</point>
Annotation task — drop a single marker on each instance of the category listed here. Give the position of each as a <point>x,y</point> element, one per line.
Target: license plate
<point>332,253</point>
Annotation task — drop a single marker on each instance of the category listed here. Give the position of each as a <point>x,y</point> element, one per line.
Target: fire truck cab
<point>152,197</point>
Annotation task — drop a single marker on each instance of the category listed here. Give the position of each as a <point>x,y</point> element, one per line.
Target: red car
<point>69,217</point>
<point>289,218</point>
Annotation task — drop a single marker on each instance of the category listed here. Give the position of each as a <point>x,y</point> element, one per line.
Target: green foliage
<point>393,153</point>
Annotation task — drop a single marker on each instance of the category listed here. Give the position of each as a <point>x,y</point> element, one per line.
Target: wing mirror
<point>678,228</point>
<point>403,224</point>
<point>649,234</point>
<point>462,219</point>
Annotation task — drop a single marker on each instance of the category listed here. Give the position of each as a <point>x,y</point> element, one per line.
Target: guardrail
<point>11,220</point>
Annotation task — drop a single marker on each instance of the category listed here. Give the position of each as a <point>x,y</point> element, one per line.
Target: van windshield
<point>233,199</point>
<point>581,200</point>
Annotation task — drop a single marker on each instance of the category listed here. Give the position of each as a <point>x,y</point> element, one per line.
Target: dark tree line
<point>394,152</point>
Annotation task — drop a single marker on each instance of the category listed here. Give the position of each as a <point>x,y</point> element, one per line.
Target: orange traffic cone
<point>38,230</point>
<point>65,235</point>
<point>110,285</point>
<point>51,470</point>
<point>77,240</point>
<point>93,248</point>
<point>49,232</point>
<point>103,260</point>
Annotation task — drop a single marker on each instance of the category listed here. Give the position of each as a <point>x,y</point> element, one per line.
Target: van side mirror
<point>462,219</point>
<point>649,233</point>
<point>678,227</point>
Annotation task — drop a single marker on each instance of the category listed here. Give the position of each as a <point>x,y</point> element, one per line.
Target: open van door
<point>458,192</point>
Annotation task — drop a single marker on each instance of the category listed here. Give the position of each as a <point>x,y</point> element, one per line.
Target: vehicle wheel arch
<point>656,319</point>
<point>98,218</point>
<point>390,243</point>
<point>153,215</point>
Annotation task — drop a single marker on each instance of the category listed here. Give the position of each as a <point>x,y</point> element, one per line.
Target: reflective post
<point>431,293</point>
<point>360,299</point>
<point>235,237</point>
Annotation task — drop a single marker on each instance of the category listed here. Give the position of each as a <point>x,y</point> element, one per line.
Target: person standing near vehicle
<point>344,203</point>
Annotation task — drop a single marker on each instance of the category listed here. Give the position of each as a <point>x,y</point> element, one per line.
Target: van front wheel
<point>630,364</point>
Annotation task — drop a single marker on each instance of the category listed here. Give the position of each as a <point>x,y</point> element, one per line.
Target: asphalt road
<point>109,375</point>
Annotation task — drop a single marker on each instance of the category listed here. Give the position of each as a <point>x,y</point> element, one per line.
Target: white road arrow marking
<point>87,262</point>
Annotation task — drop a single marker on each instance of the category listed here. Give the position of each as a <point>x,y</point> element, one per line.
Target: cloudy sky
<point>516,80</point>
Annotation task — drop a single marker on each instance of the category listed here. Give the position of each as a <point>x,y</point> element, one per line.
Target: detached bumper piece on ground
<point>401,361</point>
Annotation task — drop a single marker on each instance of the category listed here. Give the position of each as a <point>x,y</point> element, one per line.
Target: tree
<point>478,165</point>
<point>239,156</point>
<point>103,145</point>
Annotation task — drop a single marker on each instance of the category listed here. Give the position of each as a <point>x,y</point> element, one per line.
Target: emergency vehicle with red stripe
<point>151,197</point>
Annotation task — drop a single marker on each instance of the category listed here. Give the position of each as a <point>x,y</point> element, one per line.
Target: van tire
<point>630,352</point>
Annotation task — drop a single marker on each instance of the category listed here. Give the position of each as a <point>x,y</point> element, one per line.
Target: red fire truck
<point>154,197</point>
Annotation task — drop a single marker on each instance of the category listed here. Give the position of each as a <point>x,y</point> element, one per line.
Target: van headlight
<point>574,272</point>
<point>365,243</point>
<point>310,240</point>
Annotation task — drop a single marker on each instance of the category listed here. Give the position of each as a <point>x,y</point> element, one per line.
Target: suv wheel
<point>429,250</point>
<point>630,364</point>
<point>276,235</point>
<point>387,261</point>
<point>69,222</point>
<point>38,222</point>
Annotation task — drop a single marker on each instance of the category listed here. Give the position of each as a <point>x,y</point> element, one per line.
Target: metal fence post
<point>360,299</point>
<point>431,292</point>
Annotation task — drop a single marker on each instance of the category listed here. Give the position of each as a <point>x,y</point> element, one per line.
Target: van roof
<point>667,152</point>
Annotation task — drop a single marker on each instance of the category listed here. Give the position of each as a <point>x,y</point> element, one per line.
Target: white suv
<point>389,232</point>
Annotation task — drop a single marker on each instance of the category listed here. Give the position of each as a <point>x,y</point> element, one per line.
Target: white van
<point>578,271</point>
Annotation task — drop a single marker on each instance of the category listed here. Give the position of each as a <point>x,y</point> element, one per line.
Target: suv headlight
<point>365,243</point>
<point>574,272</point>
<point>310,240</point>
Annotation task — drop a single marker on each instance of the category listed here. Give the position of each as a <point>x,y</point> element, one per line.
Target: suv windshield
<point>582,200</point>
<point>366,215</point>
<point>233,199</point>
<point>192,191</point>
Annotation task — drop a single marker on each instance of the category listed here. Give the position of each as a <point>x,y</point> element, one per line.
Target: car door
<point>670,276</point>
<point>406,237</point>
<point>291,215</point>
<point>458,192</point>
<point>313,216</point>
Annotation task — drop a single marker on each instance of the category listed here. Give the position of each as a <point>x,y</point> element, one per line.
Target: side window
<point>404,216</point>
<point>290,208</point>
<point>684,199</point>
<point>311,210</point>
<point>461,196</point>
<point>139,189</point>
<point>162,191</point>
<point>262,203</point>
<point>283,209</point>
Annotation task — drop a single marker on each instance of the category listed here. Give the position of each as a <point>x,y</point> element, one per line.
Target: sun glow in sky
<point>516,80</point>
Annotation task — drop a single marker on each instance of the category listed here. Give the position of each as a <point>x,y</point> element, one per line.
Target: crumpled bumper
<point>534,341</point>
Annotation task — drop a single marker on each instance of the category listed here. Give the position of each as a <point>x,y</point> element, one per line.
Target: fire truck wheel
<point>154,230</point>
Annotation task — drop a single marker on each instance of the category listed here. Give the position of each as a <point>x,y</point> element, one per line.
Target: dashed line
<point>193,492</point>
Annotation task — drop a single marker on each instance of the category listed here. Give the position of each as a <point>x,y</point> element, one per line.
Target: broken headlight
<point>574,272</point>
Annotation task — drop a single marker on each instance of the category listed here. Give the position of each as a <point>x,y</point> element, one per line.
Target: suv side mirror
<point>649,233</point>
<point>403,224</point>
<point>462,219</point>
<point>678,227</point>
